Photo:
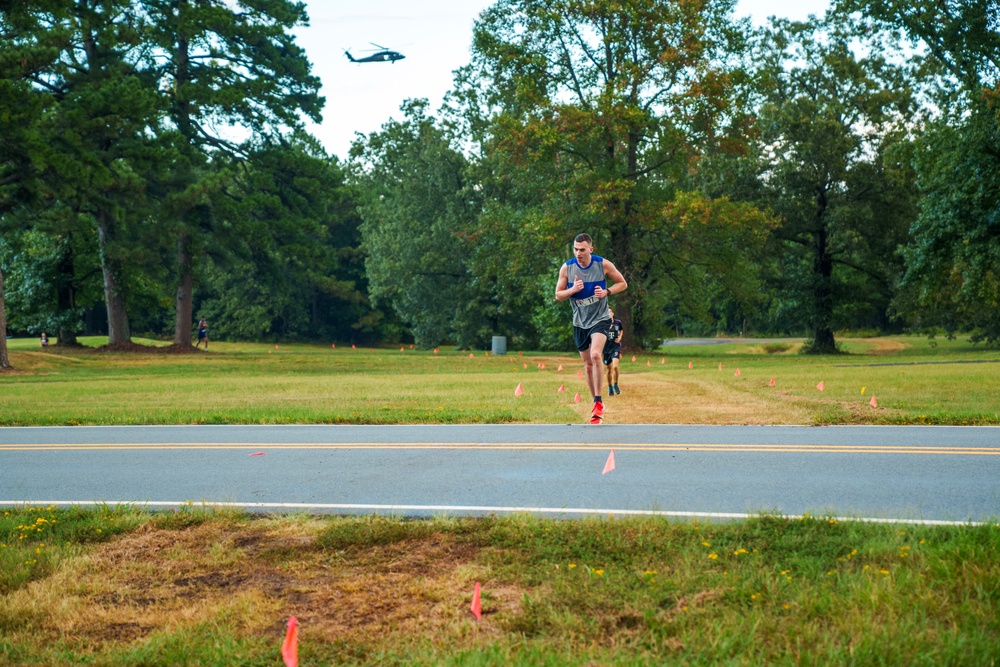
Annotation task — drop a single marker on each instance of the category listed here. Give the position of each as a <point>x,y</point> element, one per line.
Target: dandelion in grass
<point>599,573</point>
<point>705,544</point>
<point>713,555</point>
<point>883,571</point>
<point>572,565</point>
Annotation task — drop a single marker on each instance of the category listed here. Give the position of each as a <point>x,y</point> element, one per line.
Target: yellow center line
<point>528,446</point>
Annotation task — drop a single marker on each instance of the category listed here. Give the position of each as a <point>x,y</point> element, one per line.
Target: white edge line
<point>476,508</point>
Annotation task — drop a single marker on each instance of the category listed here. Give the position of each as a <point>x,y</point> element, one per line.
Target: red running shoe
<point>596,420</point>
<point>598,409</point>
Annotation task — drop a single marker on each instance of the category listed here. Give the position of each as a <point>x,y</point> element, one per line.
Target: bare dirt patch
<point>884,346</point>
<point>156,579</point>
<point>654,398</point>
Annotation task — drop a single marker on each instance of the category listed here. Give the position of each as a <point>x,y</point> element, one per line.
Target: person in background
<point>612,353</point>
<point>202,333</point>
<point>45,340</point>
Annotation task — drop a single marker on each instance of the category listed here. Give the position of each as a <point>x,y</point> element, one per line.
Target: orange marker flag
<point>663,360</point>
<point>820,385</point>
<point>521,353</point>
<point>411,347</point>
<point>873,402</point>
<point>561,389</point>
<point>579,374</point>
<point>737,373</point>
<point>511,359</point>
<point>542,366</point>
<point>435,350</point>
<point>471,355</point>
<point>525,365</point>
<point>648,362</point>
<point>290,647</point>
<point>333,346</point>
<point>353,346</point>
<point>576,399</point>
<point>519,390</point>
<point>477,603</point>
<point>400,349</point>
<point>633,357</point>
<point>560,367</point>
<point>771,383</point>
<point>486,354</point>
<point>720,366</point>
<point>276,346</point>
<point>690,364</point>
<point>609,465</point>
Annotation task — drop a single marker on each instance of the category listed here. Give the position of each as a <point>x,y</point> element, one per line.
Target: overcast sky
<point>435,36</point>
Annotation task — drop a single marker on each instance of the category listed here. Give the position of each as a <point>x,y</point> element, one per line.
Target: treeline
<point>803,178</point>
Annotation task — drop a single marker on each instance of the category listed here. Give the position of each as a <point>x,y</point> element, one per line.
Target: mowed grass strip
<point>122,586</point>
<point>915,381</point>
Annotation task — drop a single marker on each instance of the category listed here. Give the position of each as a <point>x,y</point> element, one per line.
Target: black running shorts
<point>582,336</point>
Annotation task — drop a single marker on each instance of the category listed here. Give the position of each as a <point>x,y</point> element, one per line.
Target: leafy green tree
<point>831,124</point>
<point>951,277</point>
<point>219,64</point>
<point>417,208</point>
<point>592,116</point>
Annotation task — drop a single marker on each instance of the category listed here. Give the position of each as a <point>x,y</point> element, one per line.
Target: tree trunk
<point>114,298</point>
<point>66,297</point>
<point>822,316</point>
<point>185,292</point>
<point>4,359</point>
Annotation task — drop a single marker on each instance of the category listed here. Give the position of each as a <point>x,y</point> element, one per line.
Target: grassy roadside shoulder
<point>121,586</point>
<point>913,381</point>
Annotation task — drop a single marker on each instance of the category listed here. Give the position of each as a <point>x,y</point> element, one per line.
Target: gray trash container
<point>499,345</point>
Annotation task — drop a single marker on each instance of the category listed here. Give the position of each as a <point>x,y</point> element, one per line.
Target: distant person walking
<point>202,333</point>
<point>612,353</point>
<point>583,280</point>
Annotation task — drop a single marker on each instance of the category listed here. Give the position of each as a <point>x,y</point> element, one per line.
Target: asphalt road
<point>926,474</point>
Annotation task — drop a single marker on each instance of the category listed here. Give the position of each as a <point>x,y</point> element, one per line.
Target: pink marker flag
<point>542,366</point>
<point>633,357</point>
<point>720,366</point>
<point>771,383</point>
<point>519,390</point>
<point>663,360</point>
<point>471,355</point>
<point>690,364</point>
<point>737,373</point>
<point>400,349</point>
<point>411,347</point>
<point>276,346</point>
<point>290,647</point>
<point>561,389</point>
<point>258,454</point>
<point>579,374</point>
<point>435,350</point>
<point>477,603</point>
<point>560,367</point>
<point>576,399</point>
<point>525,365</point>
<point>333,346</point>
<point>820,385</point>
<point>353,347</point>
<point>873,402</point>
<point>609,465</point>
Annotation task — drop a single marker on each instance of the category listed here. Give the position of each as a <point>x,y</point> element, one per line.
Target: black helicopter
<point>383,56</point>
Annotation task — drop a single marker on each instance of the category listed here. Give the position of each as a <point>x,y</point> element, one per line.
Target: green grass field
<point>122,587</point>
<point>915,381</point>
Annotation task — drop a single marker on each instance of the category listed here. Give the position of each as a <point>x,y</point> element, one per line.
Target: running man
<point>583,280</point>
<point>612,353</point>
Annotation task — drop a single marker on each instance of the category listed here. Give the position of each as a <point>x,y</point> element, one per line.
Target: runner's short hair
<point>583,238</point>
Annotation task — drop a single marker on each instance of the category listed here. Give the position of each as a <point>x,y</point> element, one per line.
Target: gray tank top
<point>588,310</point>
